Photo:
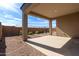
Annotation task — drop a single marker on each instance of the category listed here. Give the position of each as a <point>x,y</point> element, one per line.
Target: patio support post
<point>24,26</point>
<point>0,30</point>
<point>50,27</point>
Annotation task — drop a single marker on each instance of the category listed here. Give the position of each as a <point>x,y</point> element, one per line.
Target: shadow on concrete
<point>71,48</point>
<point>2,47</point>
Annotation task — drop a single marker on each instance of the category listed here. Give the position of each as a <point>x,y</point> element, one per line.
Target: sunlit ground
<point>52,41</point>
<point>49,45</point>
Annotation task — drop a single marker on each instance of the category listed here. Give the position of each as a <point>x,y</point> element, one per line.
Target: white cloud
<point>4,21</point>
<point>18,19</point>
<point>8,24</point>
<point>11,17</point>
<point>8,16</point>
<point>39,22</point>
<point>10,7</point>
<point>10,20</point>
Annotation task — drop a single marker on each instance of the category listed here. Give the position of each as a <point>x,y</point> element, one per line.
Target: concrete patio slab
<point>50,45</point>
<point>53,41</point>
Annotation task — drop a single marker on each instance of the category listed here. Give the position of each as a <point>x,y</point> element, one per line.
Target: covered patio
<point>66,15</point>
<point>67,31</point>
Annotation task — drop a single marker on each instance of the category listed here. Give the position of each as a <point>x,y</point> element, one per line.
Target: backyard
<point>33,29</point>
<point>39,46</point>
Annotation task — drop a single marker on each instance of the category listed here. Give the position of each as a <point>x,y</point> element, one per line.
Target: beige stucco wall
<point>68,25</point>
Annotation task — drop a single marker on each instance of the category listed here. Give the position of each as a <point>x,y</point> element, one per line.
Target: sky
<point>11,15</point>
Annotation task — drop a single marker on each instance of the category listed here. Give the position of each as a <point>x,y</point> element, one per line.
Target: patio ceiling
<point>51,10</point>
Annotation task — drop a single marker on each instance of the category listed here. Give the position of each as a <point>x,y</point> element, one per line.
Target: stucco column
<point>24,26</point>
<point>0,30</point>
<point>50,27</point>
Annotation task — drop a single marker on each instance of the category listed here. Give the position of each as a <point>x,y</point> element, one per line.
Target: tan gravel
<point>15,46</point>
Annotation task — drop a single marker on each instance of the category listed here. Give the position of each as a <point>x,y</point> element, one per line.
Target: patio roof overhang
<point>50,10</point>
